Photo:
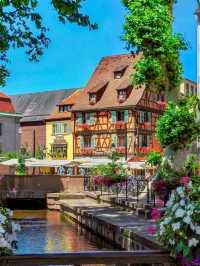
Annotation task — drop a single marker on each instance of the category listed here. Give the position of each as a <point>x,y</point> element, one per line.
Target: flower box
<point>144,150</point>
<point>84,126</point>
<point>87,151</point>
<point>120,125</point>
<point>161,105</point>
<point>147,125</point>
<point>121,149</point>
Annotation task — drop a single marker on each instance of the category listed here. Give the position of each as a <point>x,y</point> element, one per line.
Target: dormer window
<point>118,75</point>
<point>92,98</point>
<point>64,108</point>
<point>122,95</point>
<point>97,91</point>
<point>119,71</point>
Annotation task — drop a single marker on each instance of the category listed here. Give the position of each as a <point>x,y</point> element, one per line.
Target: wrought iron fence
<point>134,187</point>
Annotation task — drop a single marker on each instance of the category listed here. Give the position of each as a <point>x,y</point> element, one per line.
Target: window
<point>60,128</point>
<point>122,95</point>
<point>92,98</point>
<point>120,116</point>
<point>59,150</point>
<point>121,140</point>
<point>144,116</point>
<point>64,108</point>
<point>118,74</point>
<point>144,140</point>
<point>0,129</point>
<point>87,141</point>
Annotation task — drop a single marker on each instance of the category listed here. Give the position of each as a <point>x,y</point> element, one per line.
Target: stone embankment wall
<point>37,186</point>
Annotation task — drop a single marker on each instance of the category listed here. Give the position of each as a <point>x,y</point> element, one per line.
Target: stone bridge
<point>37,186</point>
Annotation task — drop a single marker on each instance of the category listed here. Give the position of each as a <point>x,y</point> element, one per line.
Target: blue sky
<point>75,51</point>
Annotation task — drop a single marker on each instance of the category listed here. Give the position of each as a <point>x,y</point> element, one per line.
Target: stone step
<point>68,195</point>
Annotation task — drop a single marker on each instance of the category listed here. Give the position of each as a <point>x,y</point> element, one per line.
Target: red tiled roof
<point>99,86</point>
<point>6,104</point>
<point>72,98</point>
<point>105,71</point>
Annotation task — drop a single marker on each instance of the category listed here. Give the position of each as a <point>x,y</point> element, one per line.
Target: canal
<point>45,231</point>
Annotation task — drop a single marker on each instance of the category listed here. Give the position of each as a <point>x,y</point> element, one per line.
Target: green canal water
<point>48,232</point>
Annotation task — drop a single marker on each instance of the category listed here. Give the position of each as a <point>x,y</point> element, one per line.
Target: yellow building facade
<point>59,130</point>
<point>59,139</point>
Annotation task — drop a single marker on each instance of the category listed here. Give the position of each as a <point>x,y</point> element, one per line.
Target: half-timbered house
<point>113,115</point>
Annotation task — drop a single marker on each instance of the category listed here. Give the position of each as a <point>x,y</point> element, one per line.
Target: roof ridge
<point>118,55</point>
<point>42,92</point>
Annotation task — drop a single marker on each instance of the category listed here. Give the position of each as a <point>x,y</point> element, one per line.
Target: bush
<point>178,126</point>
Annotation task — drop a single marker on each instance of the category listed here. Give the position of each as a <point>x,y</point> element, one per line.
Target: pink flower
<point>155,214</point>
<point>151,230</point>
<point>185,180</point>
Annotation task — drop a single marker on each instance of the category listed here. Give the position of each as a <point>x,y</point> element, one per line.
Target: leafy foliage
<point>154,158</point>
<point>178,126</point>
<point>114,170</point>
<point>148,29</point>
<point>21,27</point>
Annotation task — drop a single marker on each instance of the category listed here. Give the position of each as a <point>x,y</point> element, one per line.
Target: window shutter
<point>88,118</point>
<point>114,116</point>
<point>81,142</point>
<point>149,116</point>
<point>114,139</point>
<point>92,119</point>
<point>79,118</point>
<point>128,140</point>
<point>140,116</point>
<point>93,141</point>
<point>148,140</point>
<point>140,140</point>
<point>126,116</point>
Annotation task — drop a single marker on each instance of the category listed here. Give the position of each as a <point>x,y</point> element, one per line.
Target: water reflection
<point>47,232</point>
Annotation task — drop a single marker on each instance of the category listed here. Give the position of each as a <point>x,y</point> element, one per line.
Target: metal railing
<point>147,257</point>
<point>132,187</point>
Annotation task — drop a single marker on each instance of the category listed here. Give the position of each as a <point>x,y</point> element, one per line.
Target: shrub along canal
<point>45,231</point>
